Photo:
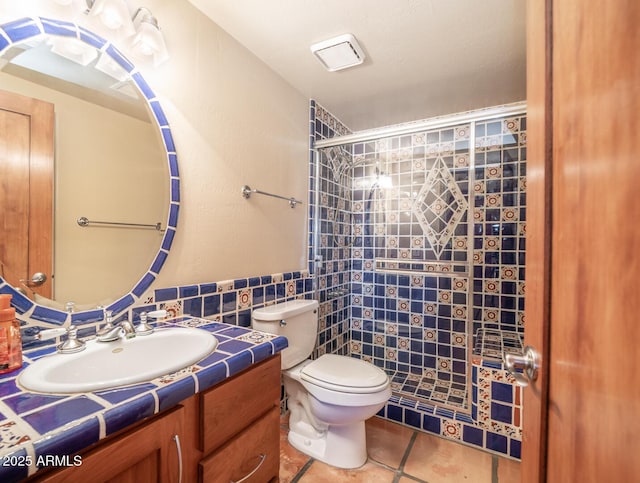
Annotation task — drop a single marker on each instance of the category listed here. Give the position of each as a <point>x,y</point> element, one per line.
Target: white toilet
<point>330,397</point>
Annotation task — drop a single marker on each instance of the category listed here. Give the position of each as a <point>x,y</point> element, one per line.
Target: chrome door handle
<point>37,279</point>
<point>529,362</point>
<point>176,440</point>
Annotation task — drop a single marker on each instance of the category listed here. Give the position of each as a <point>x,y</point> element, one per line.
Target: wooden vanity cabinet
<point>227,433</point>
<point>240,436</point>
<point>147,453</point>
<point>253,456</point>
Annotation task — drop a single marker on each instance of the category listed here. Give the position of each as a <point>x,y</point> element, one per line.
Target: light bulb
<point>114,14</point>
<point>111,19</point>
<point>149,41</point>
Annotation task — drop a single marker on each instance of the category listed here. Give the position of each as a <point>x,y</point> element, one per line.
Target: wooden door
<point>583,241</point>
<point>538,263</point>
<point>26,189</point>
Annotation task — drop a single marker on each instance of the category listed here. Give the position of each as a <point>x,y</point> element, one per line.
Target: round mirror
<point>115,187</point>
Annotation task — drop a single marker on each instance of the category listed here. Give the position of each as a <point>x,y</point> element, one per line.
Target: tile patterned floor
<point>398,454</point>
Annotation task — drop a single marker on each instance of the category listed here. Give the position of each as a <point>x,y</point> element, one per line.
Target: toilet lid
<point>346,374</point>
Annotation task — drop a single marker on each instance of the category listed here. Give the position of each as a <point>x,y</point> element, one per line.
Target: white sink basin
<point>125,361</point>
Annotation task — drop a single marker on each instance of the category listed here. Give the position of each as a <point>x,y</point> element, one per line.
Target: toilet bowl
<point>329,398</point>
<point>327,418</point>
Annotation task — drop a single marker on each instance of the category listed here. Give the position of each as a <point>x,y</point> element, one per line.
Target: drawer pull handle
<point>176,439</point>
<point>262,458</point>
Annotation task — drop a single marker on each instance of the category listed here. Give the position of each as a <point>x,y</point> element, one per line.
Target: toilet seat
<point>344,374</point>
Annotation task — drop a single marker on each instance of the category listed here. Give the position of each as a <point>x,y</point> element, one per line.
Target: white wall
<point>234,122</point>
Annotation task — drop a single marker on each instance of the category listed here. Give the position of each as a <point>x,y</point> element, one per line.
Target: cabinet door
<point>252,457</point>
<point>231,406</point>
<point>145,454</point>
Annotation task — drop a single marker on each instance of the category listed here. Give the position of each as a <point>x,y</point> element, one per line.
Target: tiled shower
<point>416,254</point>
<point>417,241</point>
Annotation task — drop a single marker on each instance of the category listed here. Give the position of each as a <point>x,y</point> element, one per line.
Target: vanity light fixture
<point>148,40</point>
<point>143,34</point>
<point>75,6</point>
<point>110,67</point>
<point>73,49</point>
<point>114,14</point>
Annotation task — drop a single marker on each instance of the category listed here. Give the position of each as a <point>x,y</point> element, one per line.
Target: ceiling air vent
<point>339,52</point>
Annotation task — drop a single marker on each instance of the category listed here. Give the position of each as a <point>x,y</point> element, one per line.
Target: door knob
<point>528,362</point>
<point>37,279</point>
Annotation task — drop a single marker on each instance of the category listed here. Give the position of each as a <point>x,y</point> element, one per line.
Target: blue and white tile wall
<point>229,301</point>
<point>411,278</point>
<point>330,215</point>
<point>499,219</point>
<point>454,221</point>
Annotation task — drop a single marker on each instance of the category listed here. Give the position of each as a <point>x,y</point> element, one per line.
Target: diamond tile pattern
<point>439,206</point>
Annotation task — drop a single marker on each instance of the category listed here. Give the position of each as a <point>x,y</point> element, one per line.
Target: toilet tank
<point>297,320</point>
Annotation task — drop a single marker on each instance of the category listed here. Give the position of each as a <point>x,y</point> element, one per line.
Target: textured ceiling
<point>424,57</point>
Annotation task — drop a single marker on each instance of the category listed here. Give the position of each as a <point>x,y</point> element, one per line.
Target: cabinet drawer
<point>234,404</point>
<point>254,454</point>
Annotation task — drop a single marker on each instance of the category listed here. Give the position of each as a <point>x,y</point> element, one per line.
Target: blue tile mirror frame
<point>29,29</point>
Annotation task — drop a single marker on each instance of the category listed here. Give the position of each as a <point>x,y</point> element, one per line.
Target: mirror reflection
<point>109,166</point>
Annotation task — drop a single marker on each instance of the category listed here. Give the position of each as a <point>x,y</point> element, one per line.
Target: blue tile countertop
<point>34,427</point>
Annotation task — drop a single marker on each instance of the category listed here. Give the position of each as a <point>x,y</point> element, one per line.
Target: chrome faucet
<point>123,329</point>
<point>108,315</point>
<point>128,329</point>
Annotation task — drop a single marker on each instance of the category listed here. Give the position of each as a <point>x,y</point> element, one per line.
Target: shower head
<point>340,161</point>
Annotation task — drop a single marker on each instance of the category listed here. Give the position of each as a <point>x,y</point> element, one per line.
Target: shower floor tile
<point>422,388</point>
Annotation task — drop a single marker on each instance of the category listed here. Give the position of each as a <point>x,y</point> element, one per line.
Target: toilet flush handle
<point>283,323</point>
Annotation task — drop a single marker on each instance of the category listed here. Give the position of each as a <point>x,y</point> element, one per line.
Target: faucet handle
<point>143,328</point>
<point>50,333</point>
<point>157,314</point>
<point>72,344</point>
